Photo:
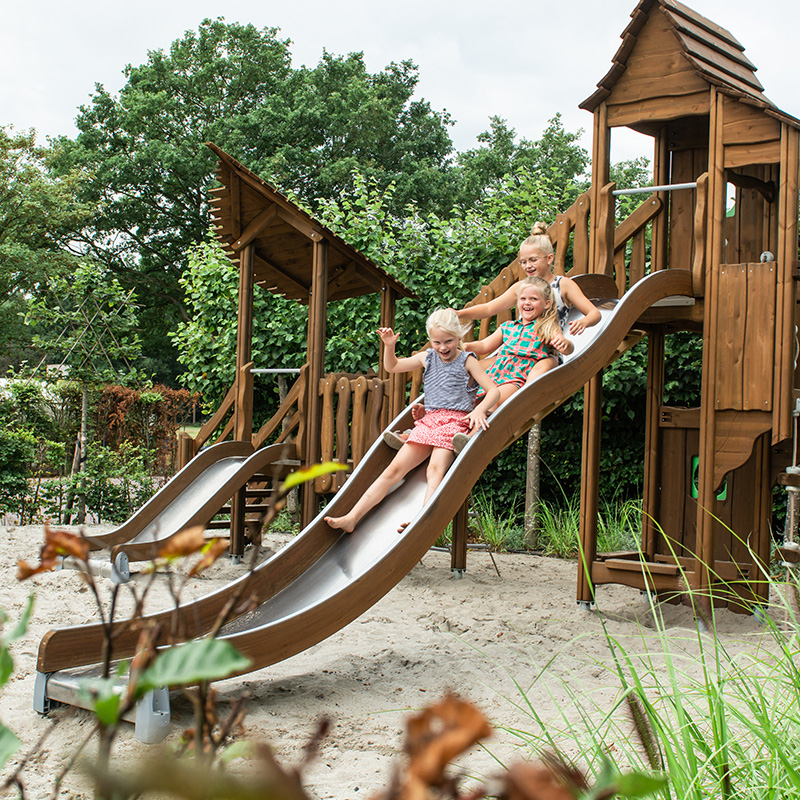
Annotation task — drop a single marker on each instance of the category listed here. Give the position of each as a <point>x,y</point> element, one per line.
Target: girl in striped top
<point>451,377</point>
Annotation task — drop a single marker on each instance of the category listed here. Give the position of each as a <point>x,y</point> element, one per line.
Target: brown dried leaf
<point>185,543</point>
<point>65,543</point>
<point>439,734</point>
<point>211,552</point>
<point>144,657</point>
<point>56,543</point>
<point>535,782</point>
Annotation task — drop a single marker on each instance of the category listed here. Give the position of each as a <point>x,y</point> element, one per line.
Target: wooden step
<point>646,567</point>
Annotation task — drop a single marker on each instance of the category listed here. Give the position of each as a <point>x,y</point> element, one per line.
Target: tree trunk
<point>532,486</point>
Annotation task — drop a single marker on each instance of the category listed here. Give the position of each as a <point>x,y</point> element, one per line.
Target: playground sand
<point>480,636</point>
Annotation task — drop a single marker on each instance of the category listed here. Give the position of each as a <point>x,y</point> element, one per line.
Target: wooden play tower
<point>709,471</point>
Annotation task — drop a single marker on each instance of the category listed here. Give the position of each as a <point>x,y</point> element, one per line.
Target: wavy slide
<point>324,579</point>
<point>193,497</point>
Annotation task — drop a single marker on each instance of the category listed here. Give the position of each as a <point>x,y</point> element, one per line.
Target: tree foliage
<point>39,214</point>
<point>302,129</point>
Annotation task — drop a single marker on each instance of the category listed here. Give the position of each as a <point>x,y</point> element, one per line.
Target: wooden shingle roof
<point>711,52</point>
<point>248,209</point>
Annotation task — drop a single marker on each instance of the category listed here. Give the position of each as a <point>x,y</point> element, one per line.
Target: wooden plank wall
<point>745,337</point>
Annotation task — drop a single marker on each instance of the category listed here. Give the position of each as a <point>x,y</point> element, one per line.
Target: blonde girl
<point>529,345</point>
<point>451,377</point>
<point>536,257</point>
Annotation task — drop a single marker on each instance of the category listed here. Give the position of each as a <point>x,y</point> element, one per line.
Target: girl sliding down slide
<point>451,377</point>
<point>529,346</point>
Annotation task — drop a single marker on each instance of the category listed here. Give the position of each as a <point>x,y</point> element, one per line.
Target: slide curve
<point>324,579</point>
<point>193,497</point>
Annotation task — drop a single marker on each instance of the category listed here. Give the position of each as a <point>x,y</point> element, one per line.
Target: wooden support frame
<point>317,323</point>
<point>590,483</point>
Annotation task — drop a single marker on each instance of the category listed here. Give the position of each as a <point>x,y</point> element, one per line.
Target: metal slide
<point>324,579</point>
<point>192,497</point>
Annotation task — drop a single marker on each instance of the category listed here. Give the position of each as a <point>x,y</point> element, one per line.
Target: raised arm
<point>483,347</point>
<point>574,296</point>
<point>391,362</point>
<point>484,310</point>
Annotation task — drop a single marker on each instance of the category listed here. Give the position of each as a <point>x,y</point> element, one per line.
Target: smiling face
<point>534,261</point>
<point>445,344</point>
<point>530,304</point>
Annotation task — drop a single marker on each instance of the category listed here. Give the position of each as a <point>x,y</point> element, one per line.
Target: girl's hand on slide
<point>560,344</point>
<point>477,419</point>
<point>417,412</point>
<point>577,326</point>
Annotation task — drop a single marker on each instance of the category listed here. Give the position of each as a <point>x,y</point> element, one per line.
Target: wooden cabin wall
<point>754,226</point>
<point>738,509</point>
<point>687,166</point>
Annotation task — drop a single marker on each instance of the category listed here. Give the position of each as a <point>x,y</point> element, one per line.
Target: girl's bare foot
<point>341,523</point>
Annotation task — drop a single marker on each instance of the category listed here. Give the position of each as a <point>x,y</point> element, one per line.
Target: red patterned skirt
<point>437,428</point>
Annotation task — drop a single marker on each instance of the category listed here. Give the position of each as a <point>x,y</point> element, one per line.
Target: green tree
<point>233,84</point>
<point>88,322</point>
<point>557,160</point>
<point>39,214</point>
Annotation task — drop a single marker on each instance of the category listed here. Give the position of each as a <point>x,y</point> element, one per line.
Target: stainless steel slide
<point>324,579</point>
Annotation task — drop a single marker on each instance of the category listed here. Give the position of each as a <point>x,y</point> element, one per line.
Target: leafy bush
<point>17,453</point>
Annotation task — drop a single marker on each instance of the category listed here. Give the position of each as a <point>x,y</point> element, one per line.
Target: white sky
<point>523,61</point>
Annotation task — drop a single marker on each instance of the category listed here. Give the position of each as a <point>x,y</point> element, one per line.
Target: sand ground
<point>483,635</point>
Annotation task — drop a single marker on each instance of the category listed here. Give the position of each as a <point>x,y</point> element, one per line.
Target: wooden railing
<point>630,244</point>
<point>189,446</point>
<point>353,416</point>
<point>622,251</point>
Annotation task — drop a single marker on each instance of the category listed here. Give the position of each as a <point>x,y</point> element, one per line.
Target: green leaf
<point>191,663</point>
<point>9,744</point>
<point>103,696</point>
<point>239,749</point>
<point>6,665</point>
<point>309,473</point>
<point>639,784</point>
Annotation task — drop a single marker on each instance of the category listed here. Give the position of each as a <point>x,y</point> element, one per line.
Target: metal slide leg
<point>41,702</point>
<point>153,717</point>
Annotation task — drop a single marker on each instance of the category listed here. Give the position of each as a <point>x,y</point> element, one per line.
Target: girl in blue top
<point>451,377</point>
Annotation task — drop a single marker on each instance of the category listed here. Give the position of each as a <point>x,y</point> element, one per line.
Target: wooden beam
<point>300,224</point>
<point>317,310</point>
<point>590,479</point>
<point>706,496</point>
<point>283,276</point>
<point>255,227</point>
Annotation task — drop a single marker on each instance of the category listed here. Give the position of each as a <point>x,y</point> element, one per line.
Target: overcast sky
<point>523,61</point>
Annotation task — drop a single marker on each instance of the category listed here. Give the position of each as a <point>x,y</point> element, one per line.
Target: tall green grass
<point>720,720</point>
<point>619,526</point>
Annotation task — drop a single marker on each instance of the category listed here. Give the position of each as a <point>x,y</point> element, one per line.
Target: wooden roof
<point>711,55</point>
<point>248,209</point>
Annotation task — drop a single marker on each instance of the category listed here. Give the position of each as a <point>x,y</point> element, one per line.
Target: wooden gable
<point>246,209</point>
<point>669,59</point>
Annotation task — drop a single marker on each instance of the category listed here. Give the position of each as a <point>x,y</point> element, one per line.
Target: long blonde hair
<point>447,321</point>
<point>539,238</point>
<point>546,326</point>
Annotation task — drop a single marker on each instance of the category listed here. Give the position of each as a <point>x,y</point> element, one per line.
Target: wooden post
<point>601,149</point>
<point>243,421</point>
<point>652,449</point>
<point>782,404</point>
<point>458,545</point>
<point>704,547</point>
<point>317,311</point>
<point>590,483</point>
<point>243,398</point>
<point>661,177</point>
<point>532,486</point>
<point>388,306</point>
